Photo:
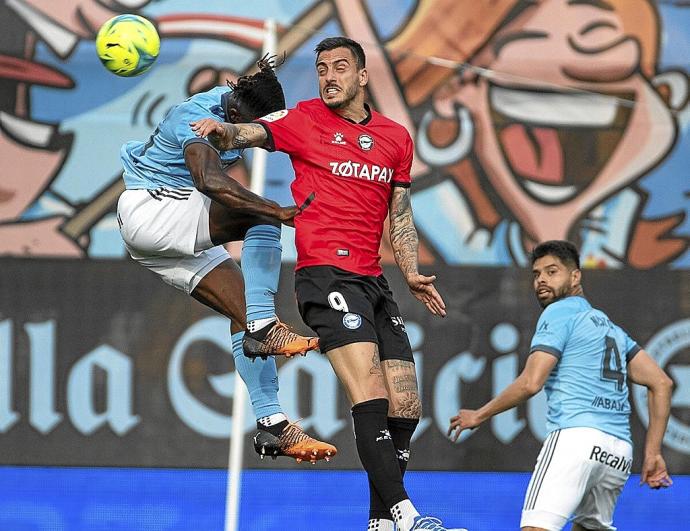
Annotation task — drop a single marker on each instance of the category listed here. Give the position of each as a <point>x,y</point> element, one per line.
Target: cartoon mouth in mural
<point>556,143</point>
<point>39,145</point>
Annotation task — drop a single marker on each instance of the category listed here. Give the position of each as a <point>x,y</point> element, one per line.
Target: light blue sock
<point>261,269</point>
<point>260,377</point>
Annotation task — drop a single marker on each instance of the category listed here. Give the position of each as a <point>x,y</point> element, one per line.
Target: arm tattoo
<point>240,141</point>
<point>402,231</point>
<point>248,135</point>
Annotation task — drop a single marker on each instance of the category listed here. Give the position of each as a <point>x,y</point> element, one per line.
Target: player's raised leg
<point>261,252</point>
<point>222,289</point>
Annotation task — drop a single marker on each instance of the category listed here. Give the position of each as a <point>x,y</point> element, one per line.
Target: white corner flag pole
<point>239,397</point>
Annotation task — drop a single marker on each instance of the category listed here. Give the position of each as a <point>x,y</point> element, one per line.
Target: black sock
<point>401,430</point>
<point>377,451</point>
<point>276,429</point>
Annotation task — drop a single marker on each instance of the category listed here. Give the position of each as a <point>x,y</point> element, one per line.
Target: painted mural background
<point>532,120</point>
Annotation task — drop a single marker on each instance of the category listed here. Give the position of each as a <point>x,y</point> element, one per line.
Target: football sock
<point>260,377</point>
<point>381,524</point>
<point>271,420</point>
<point>404,514</point>
<point>261,269</point>
<point>273,424</point>
<point>259,326</point>
<point>376,450</point>
<point>401,430</point>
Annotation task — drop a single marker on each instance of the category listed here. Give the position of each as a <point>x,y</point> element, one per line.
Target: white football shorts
<point>167,231</point>
<point>580,473</point>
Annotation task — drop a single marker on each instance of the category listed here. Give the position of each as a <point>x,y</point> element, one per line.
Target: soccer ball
<point>127,45</point>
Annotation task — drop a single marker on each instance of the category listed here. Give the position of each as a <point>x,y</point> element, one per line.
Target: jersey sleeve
<point>401,175</point>
<point>287,130</point>
<point>553,330</point>
<point>631,348</point>
<point>179,121</point>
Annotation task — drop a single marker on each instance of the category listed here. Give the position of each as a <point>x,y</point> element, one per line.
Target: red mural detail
<point>534,152</point>
<point>651,244</point>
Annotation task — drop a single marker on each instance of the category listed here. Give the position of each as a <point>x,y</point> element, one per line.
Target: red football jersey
<point>351,169</point>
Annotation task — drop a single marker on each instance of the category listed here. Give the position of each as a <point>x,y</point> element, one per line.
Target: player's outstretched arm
<point>210,179</point>
<point>226,136</point>
<point>405,242</point>
<point>643,370</point>
<point>529,383</point>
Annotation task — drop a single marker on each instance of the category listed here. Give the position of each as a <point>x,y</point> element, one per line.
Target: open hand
<point>466,419</point>
<point>422,287</point>
<point>654,472</point>
<point>209,128</point>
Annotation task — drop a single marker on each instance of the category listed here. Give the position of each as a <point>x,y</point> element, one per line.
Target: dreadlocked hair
<point>261,92</point>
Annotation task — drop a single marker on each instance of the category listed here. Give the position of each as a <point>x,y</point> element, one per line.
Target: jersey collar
<point>367,118</point>
<point>365,121</point>
<point>223,111</point>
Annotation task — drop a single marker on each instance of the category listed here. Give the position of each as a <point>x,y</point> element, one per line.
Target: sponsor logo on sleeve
<point>276,115</point>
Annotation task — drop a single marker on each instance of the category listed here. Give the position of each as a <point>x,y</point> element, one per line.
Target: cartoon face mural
<point>532,119</point>
<point>33,151</point>
<point>559,108</point>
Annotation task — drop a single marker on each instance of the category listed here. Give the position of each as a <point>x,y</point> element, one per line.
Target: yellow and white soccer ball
<point>128,45</point>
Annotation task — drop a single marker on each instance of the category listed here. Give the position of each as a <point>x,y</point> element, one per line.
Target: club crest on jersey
<point>338,138</point>
<point>276,115</point>
<point>365,142</point>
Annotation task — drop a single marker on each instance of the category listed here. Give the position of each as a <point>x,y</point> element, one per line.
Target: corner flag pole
<point>239,397</point>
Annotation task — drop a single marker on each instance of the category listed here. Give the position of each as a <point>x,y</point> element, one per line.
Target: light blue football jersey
<point>159,162</point>
<point>588,386</point>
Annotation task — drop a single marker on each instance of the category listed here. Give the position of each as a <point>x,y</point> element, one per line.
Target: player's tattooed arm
<point>405,243</point>
<point>226,136</point>
<point>402,231</point>
<point>248,135</point>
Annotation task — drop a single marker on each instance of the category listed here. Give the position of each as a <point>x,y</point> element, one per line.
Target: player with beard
<point>584,361</point>
<point>352,165</point>
<point>179,208</point>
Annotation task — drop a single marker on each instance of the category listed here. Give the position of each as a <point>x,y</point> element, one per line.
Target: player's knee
<point>377,390</point>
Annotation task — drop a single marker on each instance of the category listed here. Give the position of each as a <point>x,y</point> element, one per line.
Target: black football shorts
<point>343,308</point>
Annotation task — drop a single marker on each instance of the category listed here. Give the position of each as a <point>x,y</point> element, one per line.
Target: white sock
<point>404,514</point>
<point>272,420</point>
<point>380,524</point>
<point>258,324</point>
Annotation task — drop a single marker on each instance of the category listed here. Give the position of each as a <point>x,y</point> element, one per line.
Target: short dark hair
<point>331,43</point>
<point>261,93</point>
<point>565,251</point>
